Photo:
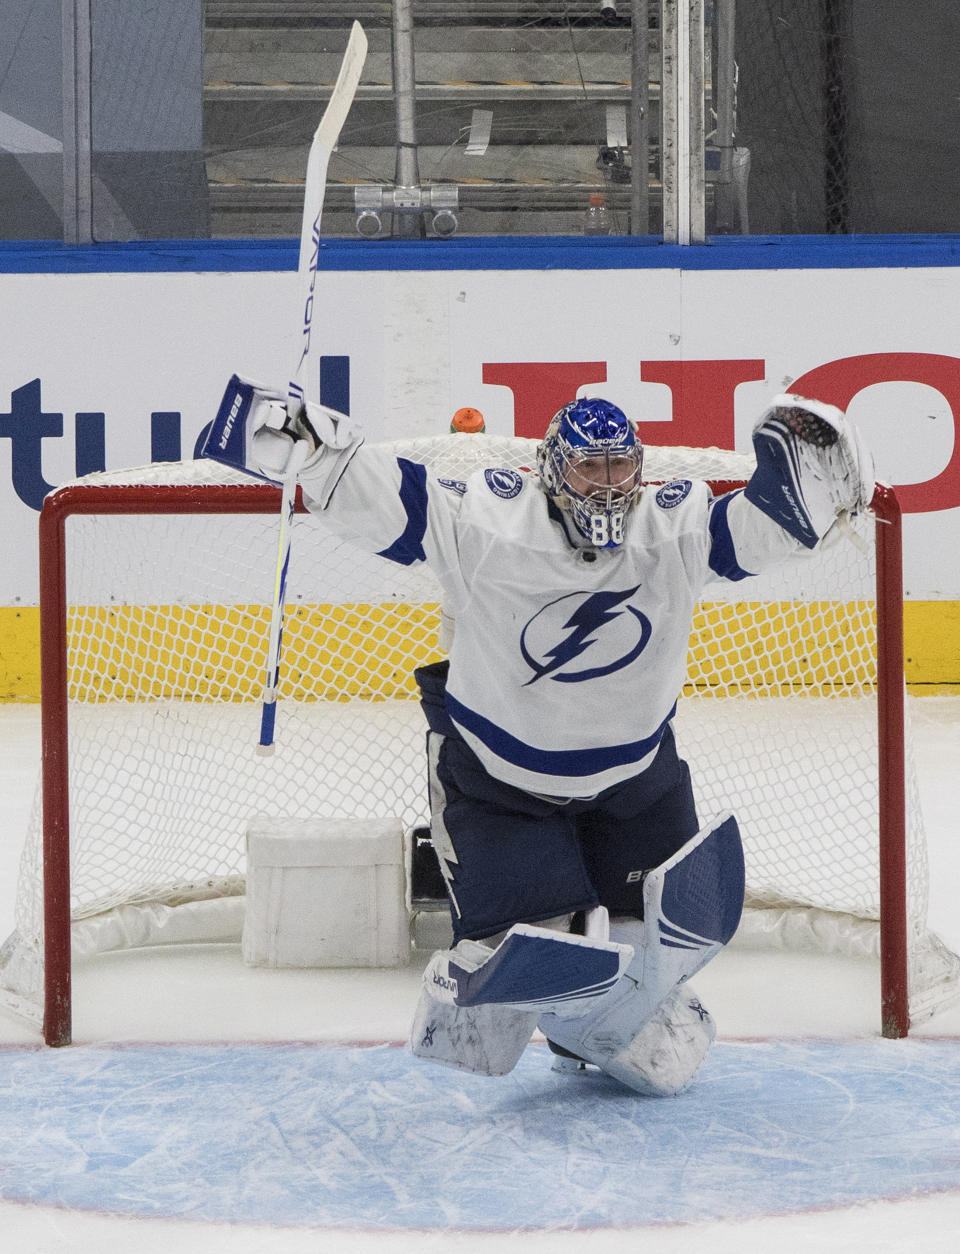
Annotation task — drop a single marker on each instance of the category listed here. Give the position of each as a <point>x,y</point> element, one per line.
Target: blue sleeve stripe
<point>723,555</point>
<point>408,547</point>
<point>569,762</point>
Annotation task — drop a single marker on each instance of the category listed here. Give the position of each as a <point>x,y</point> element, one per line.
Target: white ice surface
<point>206,994</point>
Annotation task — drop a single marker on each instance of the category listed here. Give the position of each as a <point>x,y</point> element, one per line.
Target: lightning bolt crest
<point>586,620</point>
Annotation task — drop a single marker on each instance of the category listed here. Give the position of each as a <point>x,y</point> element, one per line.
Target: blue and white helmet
<point>590,464</point>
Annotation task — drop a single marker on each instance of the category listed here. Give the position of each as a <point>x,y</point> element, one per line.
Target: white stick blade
<point>304,385</point>
<point>345,88</point>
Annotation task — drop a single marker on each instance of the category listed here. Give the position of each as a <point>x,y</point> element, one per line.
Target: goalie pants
<point>510,856</point>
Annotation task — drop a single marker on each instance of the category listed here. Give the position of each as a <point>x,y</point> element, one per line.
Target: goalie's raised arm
<point>812,467</point>
<point>253,432</point>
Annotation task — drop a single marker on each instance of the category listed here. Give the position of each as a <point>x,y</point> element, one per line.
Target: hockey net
<point>154,585</point>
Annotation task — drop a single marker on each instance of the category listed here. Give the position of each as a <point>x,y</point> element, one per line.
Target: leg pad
<point>646,1031</point>
<point>482,1039</point>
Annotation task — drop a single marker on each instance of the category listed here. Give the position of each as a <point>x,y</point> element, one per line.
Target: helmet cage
<point>591,464</point>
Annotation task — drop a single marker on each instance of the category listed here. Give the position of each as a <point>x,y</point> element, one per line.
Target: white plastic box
<point>326,893</point>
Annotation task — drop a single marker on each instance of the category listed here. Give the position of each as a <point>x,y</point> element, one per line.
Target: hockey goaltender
<point>583,890</point>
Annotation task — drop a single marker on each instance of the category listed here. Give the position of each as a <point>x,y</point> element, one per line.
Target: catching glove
<point>812,467</point>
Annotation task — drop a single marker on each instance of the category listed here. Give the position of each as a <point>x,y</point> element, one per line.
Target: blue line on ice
<point>368,1137</point>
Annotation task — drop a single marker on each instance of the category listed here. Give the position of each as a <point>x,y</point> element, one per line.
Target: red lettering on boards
<point>540,388</point>
<point>702,394</point>
<point>838,382</point>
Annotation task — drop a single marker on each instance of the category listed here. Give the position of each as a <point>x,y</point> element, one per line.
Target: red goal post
<point>171,657</point>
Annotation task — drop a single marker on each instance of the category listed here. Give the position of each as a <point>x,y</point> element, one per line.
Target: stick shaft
<point>298,455</point>
<point>304,384</point>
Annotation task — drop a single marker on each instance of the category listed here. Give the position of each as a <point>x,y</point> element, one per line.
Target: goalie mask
<point>590,463</point>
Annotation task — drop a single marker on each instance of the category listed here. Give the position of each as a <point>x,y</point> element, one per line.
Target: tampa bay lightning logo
<point>503,483</point>
<point>671,494</point>
<point>590,626</point>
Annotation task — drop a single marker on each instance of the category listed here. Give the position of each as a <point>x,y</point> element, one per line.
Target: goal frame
<point>262,498</point>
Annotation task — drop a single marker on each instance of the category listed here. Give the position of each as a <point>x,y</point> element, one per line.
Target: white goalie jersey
<point>535,608</point>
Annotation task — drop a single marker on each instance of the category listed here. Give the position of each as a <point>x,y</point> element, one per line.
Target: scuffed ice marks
<point>369,1138</point>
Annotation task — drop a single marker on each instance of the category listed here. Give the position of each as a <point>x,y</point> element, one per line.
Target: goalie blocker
<point>618,1003</point>
<point>253,432</point>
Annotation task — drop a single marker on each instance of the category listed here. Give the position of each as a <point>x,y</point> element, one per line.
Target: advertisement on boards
<point>110,370</point>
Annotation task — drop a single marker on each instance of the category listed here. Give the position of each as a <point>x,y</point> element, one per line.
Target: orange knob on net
<point>468,421</point>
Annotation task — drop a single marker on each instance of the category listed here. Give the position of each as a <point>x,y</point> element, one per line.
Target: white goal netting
<point>167,626</point>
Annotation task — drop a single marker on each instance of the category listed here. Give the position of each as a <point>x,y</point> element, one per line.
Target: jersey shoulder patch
<point>672,494</point>
<point>503,483</point>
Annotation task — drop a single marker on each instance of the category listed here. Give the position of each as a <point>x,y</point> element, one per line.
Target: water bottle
<point>597,219</point>
<point>468,421</point>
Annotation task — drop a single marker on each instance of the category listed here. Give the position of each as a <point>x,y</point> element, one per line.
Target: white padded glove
<point>253,432</point>
<point>812,467</point>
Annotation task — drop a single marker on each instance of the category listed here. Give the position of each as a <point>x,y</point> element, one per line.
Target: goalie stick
<point>305,383</point>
